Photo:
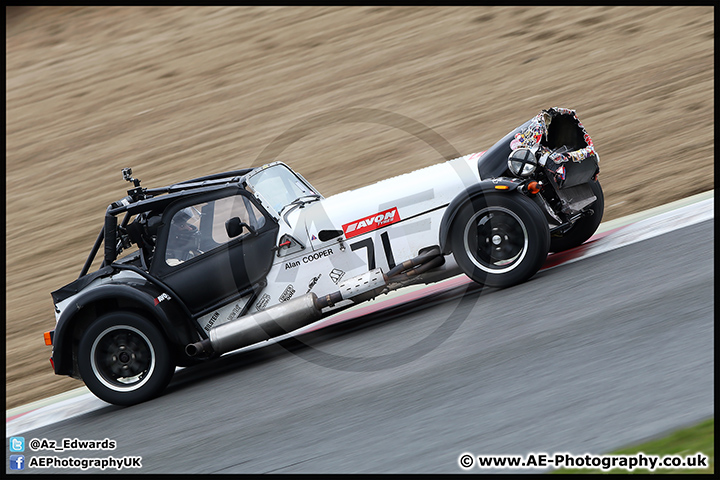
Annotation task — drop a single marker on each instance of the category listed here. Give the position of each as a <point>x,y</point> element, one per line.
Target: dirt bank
<point>176,93</point>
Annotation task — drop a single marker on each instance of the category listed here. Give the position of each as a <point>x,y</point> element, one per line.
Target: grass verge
<point>685,443</point>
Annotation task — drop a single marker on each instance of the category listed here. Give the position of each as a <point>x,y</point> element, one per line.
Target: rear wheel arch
<point>70,329</point>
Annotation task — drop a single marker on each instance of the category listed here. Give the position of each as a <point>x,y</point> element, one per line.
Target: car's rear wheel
<point>500,240</point>
<point>124,359</point>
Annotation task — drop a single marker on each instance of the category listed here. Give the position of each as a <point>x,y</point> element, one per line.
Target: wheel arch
<point>504,186</point>
<point>112,298</point>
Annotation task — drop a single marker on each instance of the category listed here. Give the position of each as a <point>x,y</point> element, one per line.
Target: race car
<point>222,262</point>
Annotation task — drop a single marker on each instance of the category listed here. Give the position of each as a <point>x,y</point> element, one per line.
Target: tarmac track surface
<point>583,358</point>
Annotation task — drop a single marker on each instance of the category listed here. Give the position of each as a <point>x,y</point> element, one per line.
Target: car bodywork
<point>233,258</point>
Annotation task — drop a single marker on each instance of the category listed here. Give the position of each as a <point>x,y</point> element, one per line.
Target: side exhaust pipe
<point>288,316</point>
<point>257,327</point>
<point>284,317</point>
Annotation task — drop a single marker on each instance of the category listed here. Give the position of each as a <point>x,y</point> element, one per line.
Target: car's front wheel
<point>124,359</point>
<point>500,240</point>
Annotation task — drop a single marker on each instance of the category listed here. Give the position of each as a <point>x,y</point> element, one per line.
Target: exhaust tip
<point>194,349</point>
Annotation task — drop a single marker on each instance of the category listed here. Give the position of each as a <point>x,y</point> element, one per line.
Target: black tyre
<point>583,228</point>
<point>500,240</point>
<point>124,359</point>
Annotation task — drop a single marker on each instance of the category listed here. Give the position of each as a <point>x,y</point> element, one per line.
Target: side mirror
<point>234,227</point>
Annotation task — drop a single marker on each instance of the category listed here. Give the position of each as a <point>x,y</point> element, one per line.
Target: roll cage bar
<point>140,200</point>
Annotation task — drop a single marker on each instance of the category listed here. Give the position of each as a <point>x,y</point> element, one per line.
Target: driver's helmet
<point>184,239</point>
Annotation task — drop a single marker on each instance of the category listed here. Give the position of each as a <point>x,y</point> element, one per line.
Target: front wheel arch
<point>494,186</point>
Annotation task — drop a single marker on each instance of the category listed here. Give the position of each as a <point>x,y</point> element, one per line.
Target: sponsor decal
<point>531,136</point>
<point>162,297</point>
<point>212,321</point>
<point>313,282</point>
<point>288,293</point>
<point>336,275</point>
<point>373,222</point>
<point>558,158</point>
<point>313,237</point>
<point>579,155</point>
<point>262,303</point>
<point>309,258</point>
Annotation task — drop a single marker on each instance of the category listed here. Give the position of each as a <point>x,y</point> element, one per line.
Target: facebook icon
<point>17,462</point>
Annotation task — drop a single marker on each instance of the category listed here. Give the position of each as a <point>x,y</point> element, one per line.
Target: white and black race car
<point>232,259</point>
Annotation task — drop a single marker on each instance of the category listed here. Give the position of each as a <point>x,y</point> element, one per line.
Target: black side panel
<point>222,272</point>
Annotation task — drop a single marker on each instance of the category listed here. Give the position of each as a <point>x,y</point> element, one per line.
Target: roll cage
<point>147,205</point>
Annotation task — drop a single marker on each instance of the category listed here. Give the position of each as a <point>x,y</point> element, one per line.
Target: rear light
<point>48,336</point>
<point>52,364</point>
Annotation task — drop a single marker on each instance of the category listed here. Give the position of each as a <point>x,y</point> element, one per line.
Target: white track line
<point>649,228</point>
